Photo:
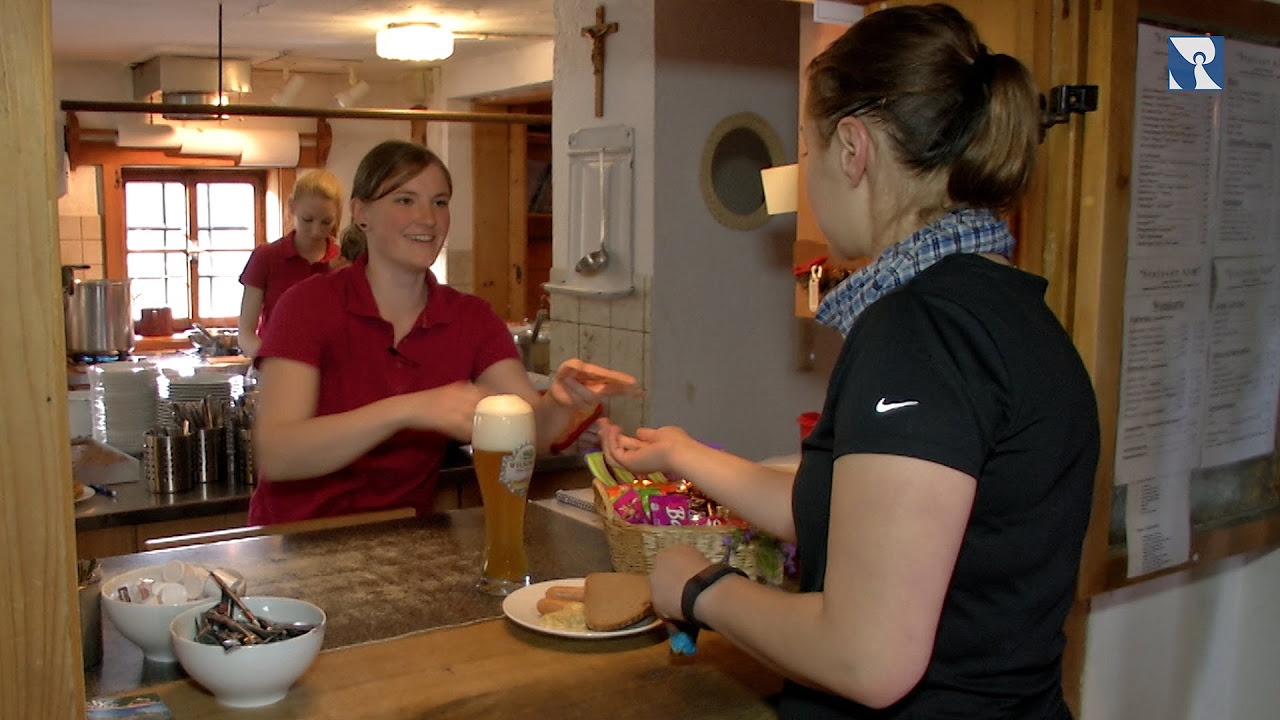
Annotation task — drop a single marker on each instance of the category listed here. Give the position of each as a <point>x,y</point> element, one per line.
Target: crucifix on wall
<point>597,33</point>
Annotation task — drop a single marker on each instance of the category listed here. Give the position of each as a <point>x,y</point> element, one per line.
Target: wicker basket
<point>632,548</point>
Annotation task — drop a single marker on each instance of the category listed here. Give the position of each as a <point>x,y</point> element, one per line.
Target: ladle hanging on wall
<point>597,260</point>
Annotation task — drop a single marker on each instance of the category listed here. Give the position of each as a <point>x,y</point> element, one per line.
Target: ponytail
<point>353,243</point>
<point>996,164</point>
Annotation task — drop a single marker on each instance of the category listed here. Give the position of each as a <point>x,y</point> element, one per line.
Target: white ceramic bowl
<point>255,675</point>
<point>146,626</point>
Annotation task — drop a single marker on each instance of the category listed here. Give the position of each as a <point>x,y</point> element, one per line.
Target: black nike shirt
<point>965,365</point>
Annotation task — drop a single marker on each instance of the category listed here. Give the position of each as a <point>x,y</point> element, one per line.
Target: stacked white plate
<point>214,386</point>
<point>123,403</point>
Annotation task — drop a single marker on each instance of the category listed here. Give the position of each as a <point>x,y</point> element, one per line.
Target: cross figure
<point>598,33</point>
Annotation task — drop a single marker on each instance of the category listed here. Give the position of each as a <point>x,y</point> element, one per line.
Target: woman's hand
<point>648,451</point>
<point>671,570</point>
<point>581,385</point>
<point>249,342</point>
<point>448,409</point>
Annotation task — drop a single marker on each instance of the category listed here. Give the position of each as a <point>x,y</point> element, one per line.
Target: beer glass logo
<point>517,469</point>
<point>1196,63</point>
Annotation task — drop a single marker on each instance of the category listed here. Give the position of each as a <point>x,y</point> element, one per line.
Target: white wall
<point>498,73</point>
<point>1195,645</point>
<point>723,320</point>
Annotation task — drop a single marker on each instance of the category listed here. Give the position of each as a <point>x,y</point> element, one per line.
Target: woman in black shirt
<point>942,498</point>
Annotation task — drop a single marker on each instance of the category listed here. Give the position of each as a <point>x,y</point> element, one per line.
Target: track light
<point>349,97</point>
<point>290,91</point>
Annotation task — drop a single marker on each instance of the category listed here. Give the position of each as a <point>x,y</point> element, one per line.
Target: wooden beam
<point>1207,548</point>
<point>517,222</point>
<point>97,146</point>
<point>41,672</point>
<point>1098,322</point>
<point>1252,20</point>
<point>490,217</point>
<point>285,111</point>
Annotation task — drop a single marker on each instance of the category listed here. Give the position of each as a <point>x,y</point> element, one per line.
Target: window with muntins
<point>188,234</point>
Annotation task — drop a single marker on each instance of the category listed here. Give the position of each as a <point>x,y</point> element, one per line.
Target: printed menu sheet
<point>1173,157</point>
<point>1158,527</point>
<point>1243,373</point>
<point>1162,375</point>
<point>1200,378</point>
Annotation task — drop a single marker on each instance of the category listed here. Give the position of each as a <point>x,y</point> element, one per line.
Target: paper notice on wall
<point>1163,367</point>
<point>1248,162</point>
<point>1157,523</point>
<point>1243,375</point>
<point>1173,157</point>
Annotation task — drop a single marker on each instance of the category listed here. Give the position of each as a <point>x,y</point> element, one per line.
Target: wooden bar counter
<point>495,669</point>
<point>409,637</point>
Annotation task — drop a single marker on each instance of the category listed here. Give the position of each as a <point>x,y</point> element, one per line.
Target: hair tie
<point>983,67</point>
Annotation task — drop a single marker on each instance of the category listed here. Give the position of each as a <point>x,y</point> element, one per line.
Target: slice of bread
<point>615,600</point>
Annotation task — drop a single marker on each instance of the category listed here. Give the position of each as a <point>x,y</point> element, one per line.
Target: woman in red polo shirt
<point>370,371</point>
<point>316,206</point>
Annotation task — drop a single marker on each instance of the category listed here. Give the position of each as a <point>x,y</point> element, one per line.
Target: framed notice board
<point>1180,321</point>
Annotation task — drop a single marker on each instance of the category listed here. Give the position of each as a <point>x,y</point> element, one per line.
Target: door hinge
<point>1064,100</point>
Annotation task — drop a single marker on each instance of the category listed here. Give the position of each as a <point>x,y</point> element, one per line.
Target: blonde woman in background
<point>310,249</point>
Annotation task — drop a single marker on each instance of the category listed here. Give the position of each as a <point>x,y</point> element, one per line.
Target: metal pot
<point>210,343</point>
<point>99,317</point>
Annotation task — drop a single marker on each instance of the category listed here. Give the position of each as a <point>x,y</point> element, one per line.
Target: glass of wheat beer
<point>502,443</point>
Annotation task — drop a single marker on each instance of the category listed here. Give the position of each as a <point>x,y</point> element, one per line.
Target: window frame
<point>189,177</point>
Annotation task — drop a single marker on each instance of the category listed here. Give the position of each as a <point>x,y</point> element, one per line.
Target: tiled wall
<point>612,333</point>
<point>80,243</point>
<point>458,270</point>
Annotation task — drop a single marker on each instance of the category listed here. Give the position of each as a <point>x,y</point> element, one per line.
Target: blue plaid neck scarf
<point>959,231</point>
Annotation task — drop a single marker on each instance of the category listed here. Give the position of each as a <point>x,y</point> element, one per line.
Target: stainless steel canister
<point>90,592</point>
<point>207,456</point>
<point>166,462</point>
<point>231,452</point>
<point>248,473</point>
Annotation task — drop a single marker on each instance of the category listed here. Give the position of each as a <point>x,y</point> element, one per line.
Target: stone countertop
<point>135,504</point>
<point>375,581</point>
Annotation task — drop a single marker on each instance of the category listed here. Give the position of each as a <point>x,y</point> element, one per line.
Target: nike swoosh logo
<point>884,407</point>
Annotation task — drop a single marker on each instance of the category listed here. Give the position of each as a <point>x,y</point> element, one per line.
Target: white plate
<point>522,607</point>
<point>85,494</point>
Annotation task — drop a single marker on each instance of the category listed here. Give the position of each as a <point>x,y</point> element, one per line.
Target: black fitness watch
<point>695,585</point>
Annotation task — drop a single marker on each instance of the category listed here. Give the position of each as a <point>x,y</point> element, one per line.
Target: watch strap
<point>697,584</point>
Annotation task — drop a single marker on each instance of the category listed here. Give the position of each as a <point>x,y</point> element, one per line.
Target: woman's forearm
<point>758,494</point>
<point>799,636</point>
<point>553,420</point>
<point>320,445</point>
<point>249,342</point>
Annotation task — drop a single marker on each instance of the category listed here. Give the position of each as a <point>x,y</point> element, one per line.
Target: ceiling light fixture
<point>417,41</point>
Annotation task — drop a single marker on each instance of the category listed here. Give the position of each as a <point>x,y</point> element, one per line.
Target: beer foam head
<point>502,422</point>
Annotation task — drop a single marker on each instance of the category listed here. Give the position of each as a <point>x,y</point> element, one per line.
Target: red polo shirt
<point>331,322</point>
<point>276,267</point>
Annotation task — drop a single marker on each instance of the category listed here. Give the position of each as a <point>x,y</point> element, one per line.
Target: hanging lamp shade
<point>414,41</point>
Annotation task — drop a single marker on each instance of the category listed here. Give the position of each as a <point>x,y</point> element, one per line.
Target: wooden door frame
<point>500,231</point>
<point>40,658</point>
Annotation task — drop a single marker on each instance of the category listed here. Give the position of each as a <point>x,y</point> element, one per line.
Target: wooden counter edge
<point>493,668</point>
